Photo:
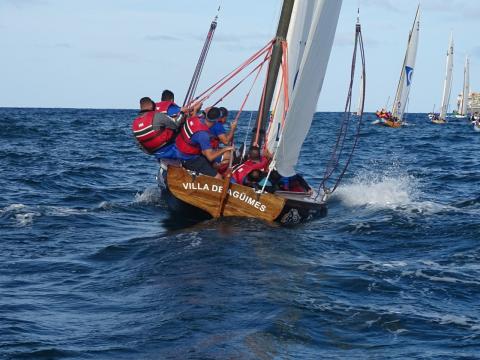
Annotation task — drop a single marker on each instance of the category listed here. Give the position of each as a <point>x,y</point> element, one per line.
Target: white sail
<point>406,75</point>
<point>466,87</point>
<point>447,84</point>
<point>299,28</point>
<point>308,85</point>
<point>360,97</point>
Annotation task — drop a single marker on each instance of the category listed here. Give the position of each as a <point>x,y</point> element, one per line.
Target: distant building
<point>473,104</point>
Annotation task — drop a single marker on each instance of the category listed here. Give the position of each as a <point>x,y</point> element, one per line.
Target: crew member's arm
<point>203,139</point>
<point>213,154</point>
<point>227,138</point>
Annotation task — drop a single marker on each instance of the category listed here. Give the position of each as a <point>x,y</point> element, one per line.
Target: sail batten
<point>308,84</point>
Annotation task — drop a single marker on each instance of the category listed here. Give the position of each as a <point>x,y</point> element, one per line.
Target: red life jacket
<point>163,106</point>
<point>150,139</point>
<point>242,170</point>
<point>214,141</point>
<point>184,139</point>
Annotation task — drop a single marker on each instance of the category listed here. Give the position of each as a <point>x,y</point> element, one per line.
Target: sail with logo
<point>297,63</point>
<point>395,118</point>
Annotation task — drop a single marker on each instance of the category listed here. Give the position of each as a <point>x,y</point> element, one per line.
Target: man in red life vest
<point>249,172</point>
<point>193,143</point>
<point>153,130</point>
<point>167,104</point>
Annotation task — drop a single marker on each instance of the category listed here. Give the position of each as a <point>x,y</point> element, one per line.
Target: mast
<point>201,61</point>
<point>274,66</point>
<point>447,85</point>
<point>466,86</point>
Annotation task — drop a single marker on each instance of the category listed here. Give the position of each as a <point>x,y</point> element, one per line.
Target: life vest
<point>241,171</point>
<point>150,139</point>
<point>163,106</point>
<point>214,142</point>
<point>184,142</point>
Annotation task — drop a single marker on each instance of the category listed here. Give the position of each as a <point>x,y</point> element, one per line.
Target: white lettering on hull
<point>235,194</point>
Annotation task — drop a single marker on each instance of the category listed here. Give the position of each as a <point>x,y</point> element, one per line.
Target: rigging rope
<point>220,83</point>
<point>334,162</point>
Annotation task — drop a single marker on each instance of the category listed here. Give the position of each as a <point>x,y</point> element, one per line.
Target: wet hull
<point>387,123</point>
<point>297,208</point>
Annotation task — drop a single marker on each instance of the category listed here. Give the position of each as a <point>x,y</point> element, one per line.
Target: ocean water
<point>92,265</point>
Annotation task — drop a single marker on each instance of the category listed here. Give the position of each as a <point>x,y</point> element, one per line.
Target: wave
<point>149,196</point>
<point>24,215</point>
<point>379,190</point>
<point>394,190</point>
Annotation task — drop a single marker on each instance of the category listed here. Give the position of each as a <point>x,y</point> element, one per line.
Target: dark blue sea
<point>93,266</point>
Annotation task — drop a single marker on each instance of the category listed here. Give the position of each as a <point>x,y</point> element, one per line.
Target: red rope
<point>242,80</point>
<point>220,83</point>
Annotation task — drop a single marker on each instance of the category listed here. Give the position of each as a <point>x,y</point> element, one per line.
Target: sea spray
<point>379,190</point>
<point>149,196</point>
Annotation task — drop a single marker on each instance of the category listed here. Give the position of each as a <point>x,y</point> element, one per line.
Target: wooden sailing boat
<point>447,86</point>
<point>310,26</point>
<point>463,108</point>
<point>396,118</point>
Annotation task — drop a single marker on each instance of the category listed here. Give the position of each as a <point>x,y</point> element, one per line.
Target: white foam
<point>378,190</point>
<point>63,211</point>
<point>391,189</point>
<point>13,207</point>
<point>25,219</point>
<point>149,196</point>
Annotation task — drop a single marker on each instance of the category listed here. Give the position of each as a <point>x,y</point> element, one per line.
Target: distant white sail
<point>308,84</point>
<point>406,75</point>
<point>466,87</point>
<point>447,85</point>
<point>297,36</point>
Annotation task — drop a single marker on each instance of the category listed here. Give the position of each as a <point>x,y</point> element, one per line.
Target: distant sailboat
<point>432,114</point>
<point>447,86</point>
<point>395,118</point>
<point>465,91</point>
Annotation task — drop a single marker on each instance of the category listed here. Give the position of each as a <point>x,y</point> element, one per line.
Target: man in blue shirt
<point>220,136</point>
<point>218,129</point>
<point>201,157</point>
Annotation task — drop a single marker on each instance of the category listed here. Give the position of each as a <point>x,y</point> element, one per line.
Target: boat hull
<point>202,197</point>
<point>438,121</point>
<point>389,123</point>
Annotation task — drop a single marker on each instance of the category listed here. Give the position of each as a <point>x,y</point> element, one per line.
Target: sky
<point>110,53</point>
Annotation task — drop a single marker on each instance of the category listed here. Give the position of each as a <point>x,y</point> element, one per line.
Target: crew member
<point>194,146</point>
<point>167,104</point>
<point>250,172</point>
<point>152,130</point>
